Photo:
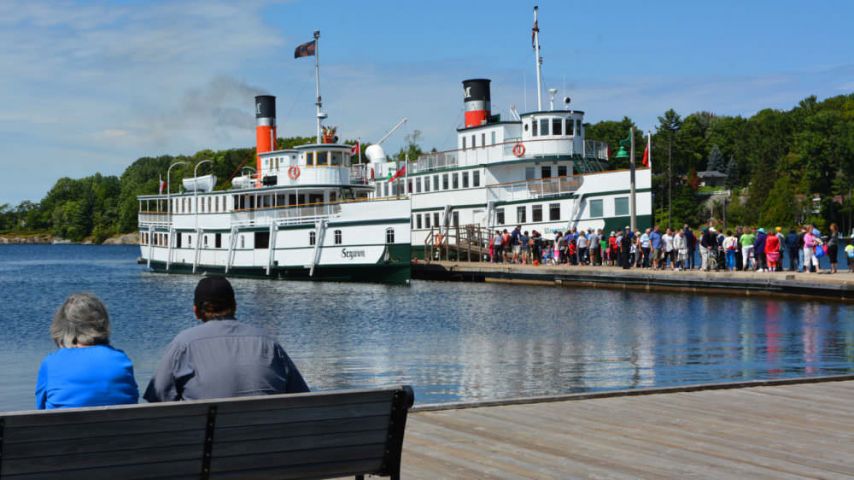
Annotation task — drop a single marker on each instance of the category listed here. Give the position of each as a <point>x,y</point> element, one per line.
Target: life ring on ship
<point>519,150</point>
<point>293,172</point>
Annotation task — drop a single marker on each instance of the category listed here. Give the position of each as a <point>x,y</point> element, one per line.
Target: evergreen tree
<point>716,160</point>
<point>731,173</point>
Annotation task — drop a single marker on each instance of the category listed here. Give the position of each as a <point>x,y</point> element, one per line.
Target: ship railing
<point>286,216</point>
<point>155,220</point>
<point>534,189</point>
<point>512,148</point>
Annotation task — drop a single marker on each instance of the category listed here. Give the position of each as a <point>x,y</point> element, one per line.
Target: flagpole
<point>539,61</point>
<point>319,104</point>
<point>632,198</point>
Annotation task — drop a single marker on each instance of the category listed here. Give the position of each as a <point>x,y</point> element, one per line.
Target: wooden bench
<point>311,435</point>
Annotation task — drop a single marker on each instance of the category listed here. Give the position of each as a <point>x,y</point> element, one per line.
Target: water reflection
<point>451,341</point>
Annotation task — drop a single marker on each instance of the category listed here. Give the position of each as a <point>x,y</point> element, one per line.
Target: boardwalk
<point>769,432</point>
<point>838,286</point>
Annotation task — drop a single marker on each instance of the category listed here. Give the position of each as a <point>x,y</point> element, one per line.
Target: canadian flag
<point>398,174</point>
<point>647,152</point>
<point>356,149</point>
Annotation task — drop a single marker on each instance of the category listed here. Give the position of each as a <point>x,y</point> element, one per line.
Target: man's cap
<point>214,291</point>
<point>761,230</point>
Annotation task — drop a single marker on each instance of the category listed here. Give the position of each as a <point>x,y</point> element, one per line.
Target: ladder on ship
<point>232,245</point>
<point>320,234</point>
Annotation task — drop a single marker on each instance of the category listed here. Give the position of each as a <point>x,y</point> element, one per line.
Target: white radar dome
<point>375,154</point>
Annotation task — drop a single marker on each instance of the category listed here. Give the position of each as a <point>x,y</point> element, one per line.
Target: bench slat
<point>139,456</point>
<point>325,470</point>
<point>103,445</point>
<point>92,415</point>
<point>264,417</point>
<point>294,461</point>
<point>185,470</point>
<point>308,442</point>
<point>302,400</point>
<point>295,429</point>
<point>116,428</point>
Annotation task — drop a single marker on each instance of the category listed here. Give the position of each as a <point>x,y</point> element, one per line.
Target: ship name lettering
<point>351,254</point>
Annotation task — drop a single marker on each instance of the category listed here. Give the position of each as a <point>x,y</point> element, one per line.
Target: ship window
<point>465,179</point>
<point>178,238</point>
<point>418,185</point>
<point>426,184</point>
<point>529,173</point>
<point>418,221</point>
<point>251,201</point>
<point>337,237</point>
<point>205,238</point>
<point>493,137</point>
<point>456,218</point>
<point>526,127</point>
<point>280,200</point>
<point>218,240</point>
<point>436,219</point>
<point>499,216</point>
<point>546,171</point>
<point>337,158</point>
<point>301,199</point>
<point>333,197</point>
<point>483,139</point>
<point>475,178</point>
<point>262,239</point>
<point>389,235</point>
<point>243,241</point>
<point>473,141</point>
<point>408,186</point>
<point>455,183</point>
<point>544,126</point>
<point>445,181</point>
<point>464,143</point>
<point>554,211</point>
<point>533,128</point>
<point>315,198</point>
<point>561,170</point>
<point>557,126</point>
<point>596,209</point>
<point>536,213</point>
<point>569,126</point>
<point>578,126</point>
<point>435,182</point>
<point>521,214</point>
<point>312,238</point>
<point>189,240</point>
<point>426,220</point>
<point>209,204</point>
<point>621,206</point>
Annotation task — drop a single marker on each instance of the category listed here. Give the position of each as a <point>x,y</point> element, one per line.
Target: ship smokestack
<point>477,101</point>
<point>265,127</point>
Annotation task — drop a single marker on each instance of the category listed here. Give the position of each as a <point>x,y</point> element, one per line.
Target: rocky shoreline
<point>47,239</point>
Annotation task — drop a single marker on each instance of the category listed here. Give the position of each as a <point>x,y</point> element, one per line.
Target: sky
<point>91,86</point>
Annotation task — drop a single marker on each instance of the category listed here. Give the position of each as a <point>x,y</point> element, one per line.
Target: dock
<point>802,286</point>
<point>763,430</point>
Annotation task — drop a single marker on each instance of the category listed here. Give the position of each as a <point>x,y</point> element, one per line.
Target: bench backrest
<point>312,435</point>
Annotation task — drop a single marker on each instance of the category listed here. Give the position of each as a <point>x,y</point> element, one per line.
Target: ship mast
<point>319,103</point>
<point>539,61</point>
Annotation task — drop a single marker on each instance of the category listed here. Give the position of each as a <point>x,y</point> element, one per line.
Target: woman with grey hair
<point>86,371</point>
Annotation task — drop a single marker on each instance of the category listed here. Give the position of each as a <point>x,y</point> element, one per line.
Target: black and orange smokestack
<point>265,127</point>
<point>477,101</point>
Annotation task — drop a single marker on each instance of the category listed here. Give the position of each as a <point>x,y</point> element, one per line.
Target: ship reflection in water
<point>452,341</point>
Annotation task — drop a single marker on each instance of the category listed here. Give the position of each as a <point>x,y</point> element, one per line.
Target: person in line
<point>680,245</point>
<point>739,258</point>
<point>708,245</point>
<point>655,246</point>
<point>759,250</point>
<point>498,252</point>
<point>810,244</point>
<point>516,243</point>
<point>778,232</point>
<point>86,371</point>
<point>613,250</point>
<point>667,256</point>
<point>833,247</point>
<point>625,249</point>
<point>747,240</point>
<point>525,247</point>
<point>645,248</point>
<point>791,243</point>
<point>222,357</point>
<point>729,246</point>
<point>582,244</point>
<point>772,252</point>
<point>692,246</point>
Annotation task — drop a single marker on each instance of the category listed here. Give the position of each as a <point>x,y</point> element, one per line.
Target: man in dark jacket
<point>625,248</point>
<point>222,357</point>
<point>692,246</point>
<point>792,249</point>
<point>759,249</point>
<point>739,262</point>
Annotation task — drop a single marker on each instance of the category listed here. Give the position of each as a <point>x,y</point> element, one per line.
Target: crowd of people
<point>741,249</point>
<point>221,357</point>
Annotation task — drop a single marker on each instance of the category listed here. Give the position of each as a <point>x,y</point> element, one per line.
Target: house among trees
<point>712,178</point>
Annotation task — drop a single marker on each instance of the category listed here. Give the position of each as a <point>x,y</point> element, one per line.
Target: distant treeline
<point>781,168</point>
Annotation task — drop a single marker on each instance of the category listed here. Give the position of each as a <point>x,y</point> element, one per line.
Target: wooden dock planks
<point>788,431</point>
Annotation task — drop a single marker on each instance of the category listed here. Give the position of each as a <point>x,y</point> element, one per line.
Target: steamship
<point>306,213</point>
<point>535,169</point>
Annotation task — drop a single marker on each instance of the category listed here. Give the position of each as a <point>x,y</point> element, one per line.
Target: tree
<point>731,173</point>
<point>716,161</point>
<point>668,126</point>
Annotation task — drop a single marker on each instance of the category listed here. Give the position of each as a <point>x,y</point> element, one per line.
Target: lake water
<point>451,341</point>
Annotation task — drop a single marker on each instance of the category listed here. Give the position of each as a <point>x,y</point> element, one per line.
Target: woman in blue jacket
<point>759,249</point>
<point>86,371</point>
